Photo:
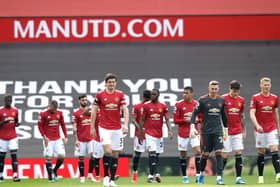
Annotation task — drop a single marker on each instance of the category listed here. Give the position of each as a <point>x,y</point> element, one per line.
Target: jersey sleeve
<point>97,99</point>
<point>165,110</point>
<point>144,111</point>
<point>63,126</point>
<point>74,118</point>
<point>122,99</point>
<point>253,103</point>
<point>41,124</point>
<point>242,106</point>
<point>176,115</point>
<point>276,102</point>
<point>196,111</point>
<point>224,115</point>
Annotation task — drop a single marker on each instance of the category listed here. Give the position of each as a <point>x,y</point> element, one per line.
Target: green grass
<point>167,181</point>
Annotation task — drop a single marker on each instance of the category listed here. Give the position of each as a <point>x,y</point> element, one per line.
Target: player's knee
<point>274,148</point>
<point>205,155</point>
<point>238,152</point>
<point>62,156</point>
<point>197,151</point>
<point>2,155</point>
<point>137,154</point>
<point>225,155</point>
<point>183,154</point>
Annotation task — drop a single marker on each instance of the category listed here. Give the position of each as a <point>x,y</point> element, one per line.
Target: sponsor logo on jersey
<point>272,102</point>
<point>214,110</point>
<point>267,108</point>
<point>111,105</point>
<point>86,122</point>
<point>155,116</point>
<point>188,114</point>
<point>234,110</point>
<point>160,110</point>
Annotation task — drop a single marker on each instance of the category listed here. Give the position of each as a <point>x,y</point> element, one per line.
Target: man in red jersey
<point>182,117</point>
<point>49,122</point>
<point>83,139</point>
<point>236,128</point>
<point>8,136</point>
<point>138,148</point>
<point>152,121</point>
<point>110,102</point>
<point>265,117</point>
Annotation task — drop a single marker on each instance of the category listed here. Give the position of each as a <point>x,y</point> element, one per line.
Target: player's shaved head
<point>54,104</point>
<point>189,88</point>
<point>147,94</point>
<point>8,100</point>
<point>109,76</point>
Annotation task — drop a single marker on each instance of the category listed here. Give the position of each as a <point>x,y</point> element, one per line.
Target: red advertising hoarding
<point>186,28</point>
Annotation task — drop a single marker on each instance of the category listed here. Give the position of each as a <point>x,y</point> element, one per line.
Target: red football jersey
<point>50,123</point>
<point>265,110</point>
<point>83,125</point>
<point>153,114</point>
<point>182,111</point>
<point>8,130</point>
<point>109,105</point>
<point>234,109</point>
<point>137,112</point>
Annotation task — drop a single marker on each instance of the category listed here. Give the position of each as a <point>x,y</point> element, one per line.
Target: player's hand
<point>170,134</point>
<point>65,140</point>
<point>77,143</point>
<point>187,119</point>
<point>46,141</point>
<point>225,133</point>
<point>124,129</point>
<point>93,132</point>
<point>259,129</point>
<point>17,124</point>
<point>193,131</point>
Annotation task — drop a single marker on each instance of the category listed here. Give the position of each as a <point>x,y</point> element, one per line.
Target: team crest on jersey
<point>239,104</point>
<point>105,99</point>
<point>117,99</point>
<point>184,108</point>
<point>160,109</point>
<point>229,103</point>
<point>58,116</point>
<point>272,102</point>
<point>220,104</point>
<point>13,113</point>
<point>151,109</point>
<point>4,114</point>
<point>81,116</point>
<point>49,116</point>
<point>208,104</point>
<point>261,101</point>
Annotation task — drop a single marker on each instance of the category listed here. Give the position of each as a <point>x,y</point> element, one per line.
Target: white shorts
<point>85,148</point>
<point>154,144</point>
<point>111,137</point>
<point>233,143</point>
<point>97,149</point>
<point>138,147</point>
<point>184,142</point>
<point>264,140</point>
<point>6,145</point>
<point>55,148</point>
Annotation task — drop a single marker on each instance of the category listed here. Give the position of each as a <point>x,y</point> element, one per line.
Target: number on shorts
<point>160,144</point>
<point>121,141</point>
<point>220,139</point>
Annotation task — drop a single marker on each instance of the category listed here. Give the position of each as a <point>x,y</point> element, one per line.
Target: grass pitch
<point>167,181</point>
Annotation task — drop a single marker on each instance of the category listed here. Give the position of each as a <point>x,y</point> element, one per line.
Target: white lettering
<point>29,28</point>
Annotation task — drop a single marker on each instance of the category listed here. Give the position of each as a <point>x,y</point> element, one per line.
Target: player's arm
<point>64,130</point>
<point>254,120</point>
<point>196,111</point>
<point>41,123</point>
<point>125,116</point>
<point>16,120</point>
<point>242,117</point>
<point>224,116</point>
<point>276,115</point>
<point>93,119</point>
<point>4,122</point>
<point>167,120</point>
<point>134,117</point>
<point>74,122</point>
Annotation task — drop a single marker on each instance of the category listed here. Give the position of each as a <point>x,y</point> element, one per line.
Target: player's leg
<point>81,164</point>
<point>98,153</point>
<point>13,147</point>
<point>195,144</point>
<point>260,145</point>
<point>151,147</point>
<point>117,146</point>
<point>206,148</point>
<point>138,149</point>
<point>273,142</point>
<point>218,146</point>
<point>60,151</point>
<point>182,148</point>
<point>3,151</point>
<point>159,150</point>
<point>48,153</point>
<point>237,146</point>
<point>227,149</point>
